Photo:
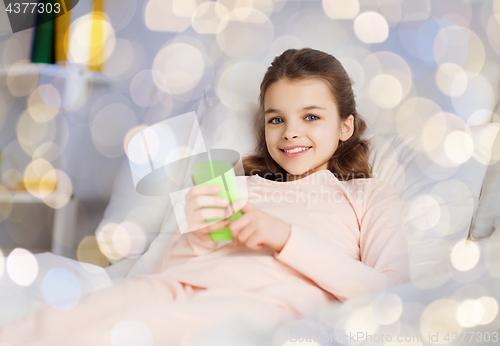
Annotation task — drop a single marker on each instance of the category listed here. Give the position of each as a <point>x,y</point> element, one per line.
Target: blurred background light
<point>371,27</point>
<point>208,16</point>
<point>341,9</point>
<point>22,266</point>
<point>61,289</point>
<point>180,67</point>
<point>247,32</point>
<point>465,256</point>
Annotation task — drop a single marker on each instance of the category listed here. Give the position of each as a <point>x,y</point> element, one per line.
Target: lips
<point>295,147</point>
<point>294,154</point>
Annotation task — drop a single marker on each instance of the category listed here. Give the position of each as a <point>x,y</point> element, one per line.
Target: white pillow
<point>129,218</point>
<point>438,185</point>
<point>488,210</point>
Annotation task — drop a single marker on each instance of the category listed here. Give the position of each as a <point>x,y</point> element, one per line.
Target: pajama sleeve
<point>383,251</point>
<point>184,247</point>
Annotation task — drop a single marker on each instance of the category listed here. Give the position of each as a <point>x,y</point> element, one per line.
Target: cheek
<point>270,138</point>
<point>327,139</point>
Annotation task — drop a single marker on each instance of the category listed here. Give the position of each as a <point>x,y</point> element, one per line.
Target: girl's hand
<point>256,228</point>
<point>196,216</point>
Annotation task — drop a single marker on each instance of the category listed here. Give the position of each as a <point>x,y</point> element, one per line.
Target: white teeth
<point>296,150</point>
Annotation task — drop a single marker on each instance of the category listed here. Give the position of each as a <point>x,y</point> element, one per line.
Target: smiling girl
<point>317,229</point>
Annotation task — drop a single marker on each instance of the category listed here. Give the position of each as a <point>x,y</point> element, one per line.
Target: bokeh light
<point>61,288</point>
<point>387,308</point>
<point>237,85</point>
<point>439,318</point>
<point>32,133</point>
<point>60,196</point>
<point>451,79</point>
<point>492,32</point>
<point>354,70</point>
<point>38,109</point>
<point>490,310</point>
<point>180,67</point>
<point>128,239</point>
<point>49,151</point>
<point>88,252</point>
<point>208,16</point>
<point>105,241</point>
<point>371,27</point>
<point>458,146</point>
<point>159,16</point>
<point>40,178</point>
<point>385,91</point>
<point>22,78</point>
<point>361,321</point>
<point>412,115</point>
<point>465,255</point>
<point>22,266</point>
<point>424,212</point>
<point>80,41</point>
<point>341,9</point>
<point>468,311</point>
<point>247,32</point>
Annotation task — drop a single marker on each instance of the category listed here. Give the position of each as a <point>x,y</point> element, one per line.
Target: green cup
<point>219,173</point>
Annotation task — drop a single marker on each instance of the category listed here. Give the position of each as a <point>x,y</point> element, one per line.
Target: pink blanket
<point>347,239</point>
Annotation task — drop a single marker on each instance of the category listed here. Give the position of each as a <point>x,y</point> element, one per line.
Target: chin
<point>296,171</point>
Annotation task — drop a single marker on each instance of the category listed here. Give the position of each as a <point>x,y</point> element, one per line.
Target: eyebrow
<point>272,110</point>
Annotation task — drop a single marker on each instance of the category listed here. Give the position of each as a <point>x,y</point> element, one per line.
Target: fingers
<point>200,197</point>
<point>203,190</point>
<point>213,213</point>
<point>236,226</point>
<point>212,227</point>
<point>254,242</point>
<point>245,233</point>
<point>203,232</point>
<point>195,201</point>
<point>209,201</point>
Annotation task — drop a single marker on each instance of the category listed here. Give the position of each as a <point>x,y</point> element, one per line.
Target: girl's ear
<point>347,128</point>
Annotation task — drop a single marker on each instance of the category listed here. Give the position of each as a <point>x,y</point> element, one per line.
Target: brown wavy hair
<point>350,160</point>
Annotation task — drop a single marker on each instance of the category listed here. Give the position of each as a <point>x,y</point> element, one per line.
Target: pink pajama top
<point>347,239</point>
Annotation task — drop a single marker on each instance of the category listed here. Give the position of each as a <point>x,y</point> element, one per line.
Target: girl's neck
<point>292,177</point>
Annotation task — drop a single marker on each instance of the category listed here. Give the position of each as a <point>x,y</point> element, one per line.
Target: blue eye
<point>273,122</point>
<point>312,115</point>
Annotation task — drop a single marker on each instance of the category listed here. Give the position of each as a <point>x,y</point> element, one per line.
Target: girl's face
<point>303,126</point>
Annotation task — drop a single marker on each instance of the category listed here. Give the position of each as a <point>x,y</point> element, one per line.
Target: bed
<point>452,230</point>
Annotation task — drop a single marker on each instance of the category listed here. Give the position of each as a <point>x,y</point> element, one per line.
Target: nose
<point>291,133</point>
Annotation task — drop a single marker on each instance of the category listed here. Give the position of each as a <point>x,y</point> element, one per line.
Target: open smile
<point>297,151</point>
